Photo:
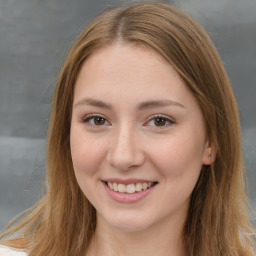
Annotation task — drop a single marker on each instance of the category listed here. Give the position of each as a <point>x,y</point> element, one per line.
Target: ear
<point>209,153</point>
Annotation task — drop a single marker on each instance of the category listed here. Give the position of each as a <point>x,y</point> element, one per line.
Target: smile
<point>130,188</point>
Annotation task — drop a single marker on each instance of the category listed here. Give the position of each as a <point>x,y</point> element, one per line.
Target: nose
<point>125,150</point>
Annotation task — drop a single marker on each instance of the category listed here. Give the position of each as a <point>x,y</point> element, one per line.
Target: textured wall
<point>35,36</point>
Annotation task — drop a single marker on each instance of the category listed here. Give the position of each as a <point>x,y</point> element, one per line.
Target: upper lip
<point>127,181</point>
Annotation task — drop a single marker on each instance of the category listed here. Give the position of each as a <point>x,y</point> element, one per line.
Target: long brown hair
<point>63,222</point>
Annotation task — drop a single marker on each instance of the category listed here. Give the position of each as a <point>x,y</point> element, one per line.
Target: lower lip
<point>126,197</point>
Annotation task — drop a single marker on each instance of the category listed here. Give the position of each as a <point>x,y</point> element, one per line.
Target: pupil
<point>159,122</point>
<point>99,121</point>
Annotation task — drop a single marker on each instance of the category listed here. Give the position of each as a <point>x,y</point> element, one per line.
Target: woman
<point>144,149</point>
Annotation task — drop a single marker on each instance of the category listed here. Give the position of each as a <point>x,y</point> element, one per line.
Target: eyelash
<point>164,118</point>
<point>90,117</point>
<point>87,119</point>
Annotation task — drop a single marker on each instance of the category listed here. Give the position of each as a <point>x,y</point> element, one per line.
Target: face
<point>138,140</point>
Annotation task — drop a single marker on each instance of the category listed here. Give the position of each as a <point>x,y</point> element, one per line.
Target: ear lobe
<point>209,154</point>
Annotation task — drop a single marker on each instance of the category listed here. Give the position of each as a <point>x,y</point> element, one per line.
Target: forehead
<point>124,66</point>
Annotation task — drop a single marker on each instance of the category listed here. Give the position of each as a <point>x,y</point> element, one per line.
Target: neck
<point>162,239</point>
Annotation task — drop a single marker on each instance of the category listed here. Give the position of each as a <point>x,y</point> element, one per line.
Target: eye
<point>160,121</point>
<point>95,120</point>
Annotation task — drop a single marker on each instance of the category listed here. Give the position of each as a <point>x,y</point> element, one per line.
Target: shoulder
<point>7,251</point>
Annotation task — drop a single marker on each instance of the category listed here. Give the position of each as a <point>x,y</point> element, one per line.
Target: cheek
<point>179,162</point>
<point>86,153</point>
<point>177,156</point>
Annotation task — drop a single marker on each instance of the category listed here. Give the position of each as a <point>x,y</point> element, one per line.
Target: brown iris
<point>159,121</point>
<point>99,120</point>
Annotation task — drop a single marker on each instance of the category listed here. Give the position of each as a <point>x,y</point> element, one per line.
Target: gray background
<point>35,36</point>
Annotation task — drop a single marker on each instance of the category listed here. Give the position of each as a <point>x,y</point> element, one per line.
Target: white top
<point>7,251</point>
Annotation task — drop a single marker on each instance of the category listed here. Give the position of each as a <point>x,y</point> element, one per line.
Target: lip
<point>125,197</point>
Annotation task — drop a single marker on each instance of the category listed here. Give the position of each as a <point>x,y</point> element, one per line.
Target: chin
<point>130,226</point>
<point>128,223</point>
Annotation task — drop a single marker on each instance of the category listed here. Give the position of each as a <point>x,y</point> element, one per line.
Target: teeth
<point>138,187</point>
<point>115,187</point>
<point>144,186</point>
<point>121,188</point>
<point>130,188</point>
<point>110,185</point>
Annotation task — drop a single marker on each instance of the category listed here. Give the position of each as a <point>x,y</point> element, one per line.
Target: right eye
<point>95,120</point>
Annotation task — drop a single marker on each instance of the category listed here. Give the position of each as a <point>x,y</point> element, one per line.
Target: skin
<point>129,143</point>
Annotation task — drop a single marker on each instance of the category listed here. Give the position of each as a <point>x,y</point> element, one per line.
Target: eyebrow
<point>93,102</point>
<point>141,106</point>
<point>158,103</point>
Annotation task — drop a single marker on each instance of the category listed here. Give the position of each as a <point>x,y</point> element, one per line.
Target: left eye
<point>160,121</point>
<point>95,120</point>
